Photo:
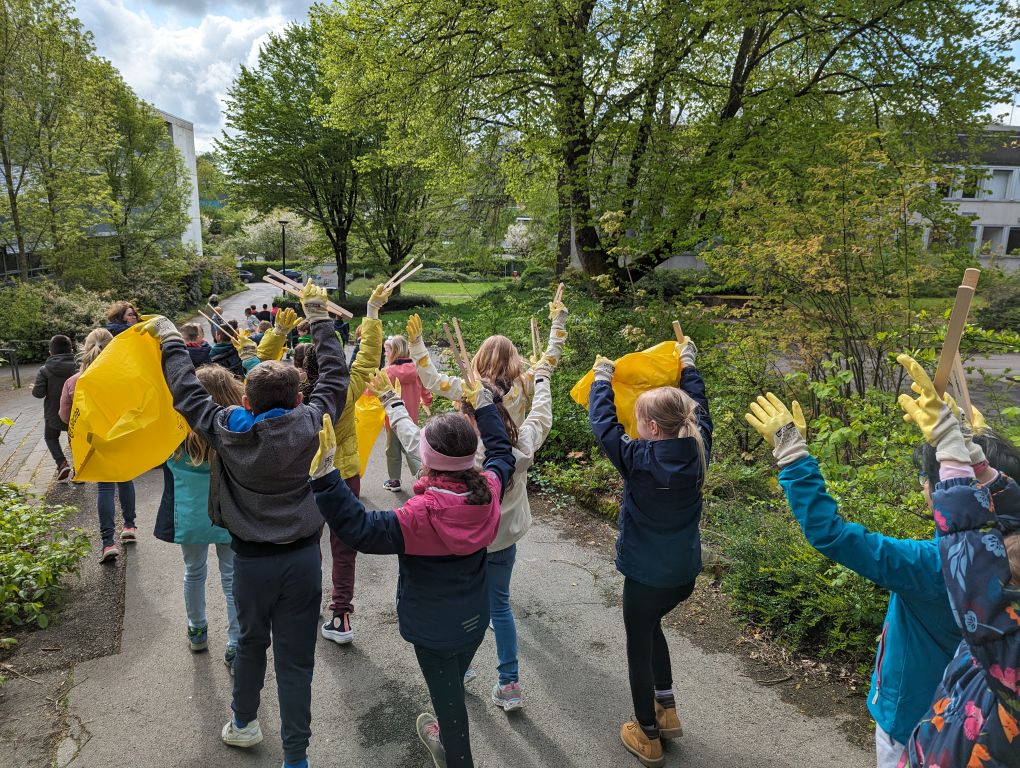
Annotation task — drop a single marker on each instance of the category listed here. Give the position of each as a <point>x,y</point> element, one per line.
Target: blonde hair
<point>225,389</point>
<point>95,343</point>
<point>1013,553</point>
<point>676,413</point>
<point>498,361</point>
<point>396,348</point>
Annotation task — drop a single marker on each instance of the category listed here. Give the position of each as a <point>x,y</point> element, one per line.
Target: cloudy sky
<point>182,55</point>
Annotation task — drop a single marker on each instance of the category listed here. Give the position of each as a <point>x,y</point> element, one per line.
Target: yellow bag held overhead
<point>657,366</point>
<point>369,415</point>
<point>123,421</point>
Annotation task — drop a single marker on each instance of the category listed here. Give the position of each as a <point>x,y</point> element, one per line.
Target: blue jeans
<point>196,558</point>
<point>499,568</point>
<point>108,510</point>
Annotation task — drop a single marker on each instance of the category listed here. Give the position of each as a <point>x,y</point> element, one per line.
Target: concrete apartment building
<point>182,134</point>
<point>990,193</point>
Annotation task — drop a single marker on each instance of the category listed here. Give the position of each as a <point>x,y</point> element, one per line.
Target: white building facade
<point>182,134</point>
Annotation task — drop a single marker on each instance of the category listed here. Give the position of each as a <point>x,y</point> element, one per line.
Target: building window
<point>991,239</point>
<point>1013,244</point>
<point>996,185</point>
<point>971,182</point>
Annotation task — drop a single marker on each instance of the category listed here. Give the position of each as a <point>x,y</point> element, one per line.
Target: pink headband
<point>433,459</point>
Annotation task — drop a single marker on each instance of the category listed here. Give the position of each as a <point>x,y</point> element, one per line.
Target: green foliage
<point>1000,295</point>
<point>36,552</point>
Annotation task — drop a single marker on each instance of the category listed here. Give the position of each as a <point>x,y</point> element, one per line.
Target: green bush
<point>36,310</point>
<point>259,268</point>
<point>35,554</point>
<point>1001,295</point>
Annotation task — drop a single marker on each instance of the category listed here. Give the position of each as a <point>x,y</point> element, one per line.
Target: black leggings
<point>647,652</point>
<point>444,676</point>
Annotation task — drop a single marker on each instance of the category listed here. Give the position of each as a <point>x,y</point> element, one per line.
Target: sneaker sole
<point>197,647</point>
<point>128,539</point>
<point>508,706</point>
<point>340,638</point>
<point>108,556</point>
<point>439,761</point>
<point>242,743</point>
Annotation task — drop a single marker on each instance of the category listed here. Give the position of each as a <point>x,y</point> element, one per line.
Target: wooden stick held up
<point>463,352</point>
<point>957,322</point>
<point>558,296</point>
<point>678,331</point>
<point>396,275</point>
<point>394,282</point>
<point>288,287</point>
<point>962,390</point>
<point>534,338</point>
<point>461,364</point>
<point>226,330</point>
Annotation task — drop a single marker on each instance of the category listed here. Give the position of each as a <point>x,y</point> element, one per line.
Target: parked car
<point>245,276</point>
<point>293,274</point>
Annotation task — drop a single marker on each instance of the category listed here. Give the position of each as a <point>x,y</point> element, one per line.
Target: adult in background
<point>49,382</point>
<point>264,314</point>
<point>120,316</point>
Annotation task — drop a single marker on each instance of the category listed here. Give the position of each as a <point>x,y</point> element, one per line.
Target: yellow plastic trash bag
<point>123,421</point>
<point>368,422</point>
<point>658,366</point>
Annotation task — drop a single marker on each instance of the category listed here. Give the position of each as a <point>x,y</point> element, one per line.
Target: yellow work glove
<point>688,352</point>
<point>413,329</point>
<point>977,453</point>
<point>377,300</point>
<point>475,394</point>
<point>322,461</point>
<point>784,430</point>
<point>286,321</point>
<point>246,348</point>
<point>556,308</point>
<point>160,327</point>
<point>381,386</point>
<point>313,302</point>
<point>604,368</point>
<point>931,415</point>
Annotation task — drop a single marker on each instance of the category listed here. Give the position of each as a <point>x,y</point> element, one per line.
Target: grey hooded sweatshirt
<point>259,486</point>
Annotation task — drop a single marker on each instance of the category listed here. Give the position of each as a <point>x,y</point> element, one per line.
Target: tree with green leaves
<point>648,111</point>
<point>279,153</point>
<point>149,186</point>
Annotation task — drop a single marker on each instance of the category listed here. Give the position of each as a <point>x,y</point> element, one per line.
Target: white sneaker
<point>339,629</point>
<point>248,736</point>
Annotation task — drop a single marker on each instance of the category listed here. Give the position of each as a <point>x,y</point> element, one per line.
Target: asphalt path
<point>156,704</point>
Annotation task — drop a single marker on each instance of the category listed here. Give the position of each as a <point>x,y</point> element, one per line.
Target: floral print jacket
<point>974,721</point>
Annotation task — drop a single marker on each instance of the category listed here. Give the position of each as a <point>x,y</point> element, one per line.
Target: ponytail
<point>676,413</point>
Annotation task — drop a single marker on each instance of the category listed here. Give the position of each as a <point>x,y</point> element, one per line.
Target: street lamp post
<point>283,242</point>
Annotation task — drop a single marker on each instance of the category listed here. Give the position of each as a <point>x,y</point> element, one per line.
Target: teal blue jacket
<point>919,636</point>
<point>191,523</point>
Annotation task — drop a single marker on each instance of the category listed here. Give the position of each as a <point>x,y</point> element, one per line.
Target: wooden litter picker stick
<point>396,275</point>
<point>678,331</point>
<point>453,348</point>
<point>962,390</point>
<point>534,337</point>
<point>226,330</point>
<point>394,281</point>
<point>463,352</point>
<point>957,322</point>
<point>287,285</point>
<point>558,296</point>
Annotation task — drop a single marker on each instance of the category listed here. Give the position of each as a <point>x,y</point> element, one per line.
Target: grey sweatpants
<point>394,452</point>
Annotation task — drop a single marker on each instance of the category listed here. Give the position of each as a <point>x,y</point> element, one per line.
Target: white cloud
<point>185,69</point>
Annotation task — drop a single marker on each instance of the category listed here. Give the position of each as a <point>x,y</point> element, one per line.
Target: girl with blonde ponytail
<point>659,548</point>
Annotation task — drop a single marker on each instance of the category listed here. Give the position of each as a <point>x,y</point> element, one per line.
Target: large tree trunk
<point>565,238</point>
<point>12,200</point>
<point>340,250</point>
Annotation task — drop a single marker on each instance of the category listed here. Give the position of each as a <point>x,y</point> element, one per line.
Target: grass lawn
<point>444,293</point>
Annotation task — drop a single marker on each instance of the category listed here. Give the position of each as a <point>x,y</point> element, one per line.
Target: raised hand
<point>785,431</point>
<point>377,300</point>
<point>413,329</point>
<point>159,327</point>
<point>313,302</point>
<point>604,368</point>
<point>381,386</point>
<point>322,461</point>
<point>286,321</point>
<point>931,415</point>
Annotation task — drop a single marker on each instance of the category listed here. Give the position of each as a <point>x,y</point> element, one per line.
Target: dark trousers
<point>51,436</point>
<point>108,508</point>
<point>647,653</point>
<point>444,676</point>
<point>277,599</point>
<point>342,596</point>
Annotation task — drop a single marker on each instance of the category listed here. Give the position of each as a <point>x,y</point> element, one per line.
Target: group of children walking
<point>274,455</point>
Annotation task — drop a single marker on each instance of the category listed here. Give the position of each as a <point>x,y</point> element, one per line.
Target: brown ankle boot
<point>668,721</point>
<point>648,751</point>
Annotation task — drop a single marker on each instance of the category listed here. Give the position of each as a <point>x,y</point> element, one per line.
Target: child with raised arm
<point>974,720</point>
<point>659,546</point>
<point>259,492</point>
<point>497,360</point>
<point>401,368</point>
<point>440,536</point>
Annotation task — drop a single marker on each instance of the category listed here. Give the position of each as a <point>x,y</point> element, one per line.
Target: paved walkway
<point>157,705</point>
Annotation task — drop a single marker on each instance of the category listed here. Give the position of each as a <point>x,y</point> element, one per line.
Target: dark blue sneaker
<point>198,638</point>
<point>228,658</point>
